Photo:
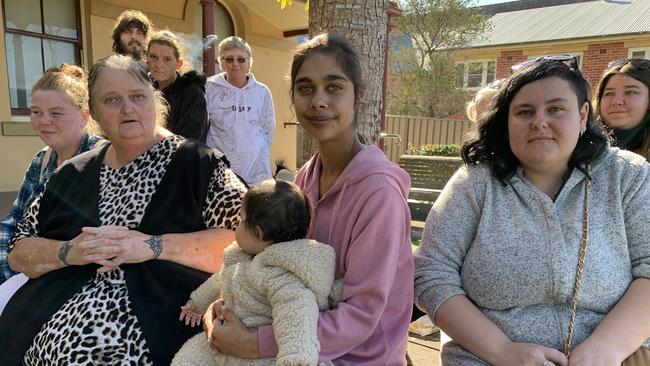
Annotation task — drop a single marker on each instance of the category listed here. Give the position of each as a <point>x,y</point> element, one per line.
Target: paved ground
<point>424,351</point>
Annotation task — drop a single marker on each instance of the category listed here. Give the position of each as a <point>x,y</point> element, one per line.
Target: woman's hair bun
<point>72,70</point>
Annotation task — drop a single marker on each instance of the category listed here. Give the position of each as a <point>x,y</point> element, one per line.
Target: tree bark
<point>363,23</point>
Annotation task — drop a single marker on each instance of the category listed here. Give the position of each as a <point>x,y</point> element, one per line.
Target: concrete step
<point>424,194</point>
<point>419,209</point>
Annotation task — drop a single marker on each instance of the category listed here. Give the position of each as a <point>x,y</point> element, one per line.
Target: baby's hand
<point>190,314</point>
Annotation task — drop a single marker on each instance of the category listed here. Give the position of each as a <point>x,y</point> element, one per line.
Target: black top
<point>188,111</point>
<point>156,288</point>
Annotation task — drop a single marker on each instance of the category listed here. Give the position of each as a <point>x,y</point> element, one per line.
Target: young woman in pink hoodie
<point>360,209</point>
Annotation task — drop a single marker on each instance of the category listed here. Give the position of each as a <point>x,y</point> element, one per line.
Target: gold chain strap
<point>581,267</point>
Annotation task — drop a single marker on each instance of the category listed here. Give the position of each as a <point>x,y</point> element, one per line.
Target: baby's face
<point>249,241</point>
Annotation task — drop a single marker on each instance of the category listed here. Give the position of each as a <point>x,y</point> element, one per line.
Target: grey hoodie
<point>513,251</point>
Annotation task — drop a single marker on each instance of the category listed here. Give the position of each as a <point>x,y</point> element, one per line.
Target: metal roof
<point>571,21</point>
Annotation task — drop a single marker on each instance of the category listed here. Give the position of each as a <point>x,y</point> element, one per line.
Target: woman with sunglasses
<point>498,265</point>
<point>621,102</point>
<point>242,119</point>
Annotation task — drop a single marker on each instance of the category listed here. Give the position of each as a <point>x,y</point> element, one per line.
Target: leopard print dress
<point>98,325</point>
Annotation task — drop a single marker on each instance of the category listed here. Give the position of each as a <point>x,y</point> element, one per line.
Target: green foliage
<point>424,81</point>
<point>434,150</point>
<point>284,3</point>
<point>427,92</point>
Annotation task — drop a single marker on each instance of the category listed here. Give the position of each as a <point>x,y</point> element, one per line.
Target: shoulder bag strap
<point>581,266</point>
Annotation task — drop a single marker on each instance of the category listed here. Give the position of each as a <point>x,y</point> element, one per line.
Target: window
<point>39,34</point>
<point>643,53</point>
<point>475,74</point>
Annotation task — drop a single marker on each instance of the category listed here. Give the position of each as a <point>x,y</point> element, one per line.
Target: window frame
<point>76,42</point>
<point>484,72</point>
<point>630,51</point>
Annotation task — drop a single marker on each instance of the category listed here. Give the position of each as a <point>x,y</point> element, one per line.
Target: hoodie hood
<point>220,80</point>
<point>183,81</point>
<point>368,163</point>
<point>192,77</point>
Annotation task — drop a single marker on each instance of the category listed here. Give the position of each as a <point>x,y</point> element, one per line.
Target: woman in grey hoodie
<point>498,261</point>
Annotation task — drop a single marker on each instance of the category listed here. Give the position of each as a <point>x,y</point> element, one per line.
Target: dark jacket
<point>157,288</point>
<point>188,112</point>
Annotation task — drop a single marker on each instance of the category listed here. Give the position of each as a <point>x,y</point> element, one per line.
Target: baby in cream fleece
<point>270,269</point>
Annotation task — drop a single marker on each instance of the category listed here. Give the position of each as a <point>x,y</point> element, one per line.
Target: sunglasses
<point>229,60</point>
<point>637,62</point>
<point>569,60</point>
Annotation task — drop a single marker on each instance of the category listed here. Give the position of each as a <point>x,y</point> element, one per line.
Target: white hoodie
<point>242,123</point>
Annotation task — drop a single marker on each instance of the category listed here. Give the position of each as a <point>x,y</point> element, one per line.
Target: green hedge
<point>434,150</point>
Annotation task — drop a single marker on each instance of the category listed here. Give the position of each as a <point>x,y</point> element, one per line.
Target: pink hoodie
<point>366,218</point>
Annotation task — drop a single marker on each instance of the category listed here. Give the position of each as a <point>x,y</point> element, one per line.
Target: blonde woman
<point>481,103</point>
<point>59,114</point>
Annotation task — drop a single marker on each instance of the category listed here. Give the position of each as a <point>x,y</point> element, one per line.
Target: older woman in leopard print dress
<point>120,237</point>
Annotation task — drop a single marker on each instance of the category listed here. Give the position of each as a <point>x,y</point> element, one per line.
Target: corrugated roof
<point>581,20</point>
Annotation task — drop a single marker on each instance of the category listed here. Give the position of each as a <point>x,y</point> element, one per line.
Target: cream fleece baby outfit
<point>285,285</point>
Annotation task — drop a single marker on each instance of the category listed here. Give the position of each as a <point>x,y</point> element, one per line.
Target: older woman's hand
<point>89,247</point>
<point>112,245</point>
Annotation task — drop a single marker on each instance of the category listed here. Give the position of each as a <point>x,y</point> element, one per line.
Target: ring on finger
<point>547,363</point>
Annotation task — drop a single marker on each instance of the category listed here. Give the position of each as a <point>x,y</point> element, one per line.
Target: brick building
<point>596,32</point>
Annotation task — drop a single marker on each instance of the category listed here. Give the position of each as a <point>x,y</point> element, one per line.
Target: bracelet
<point>63,252</point>
<point>155,243</point>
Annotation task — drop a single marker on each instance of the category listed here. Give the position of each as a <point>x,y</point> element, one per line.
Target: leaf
<point>284,3</point>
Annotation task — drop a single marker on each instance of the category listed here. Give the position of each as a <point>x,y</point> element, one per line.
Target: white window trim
<point>644,49</point>
<point>484,76</point>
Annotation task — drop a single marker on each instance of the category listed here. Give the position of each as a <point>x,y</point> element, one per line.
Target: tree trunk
<point>363,23</point>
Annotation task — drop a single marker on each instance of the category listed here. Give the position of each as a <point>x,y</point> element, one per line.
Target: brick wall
<point>596,58</point>
<point>507,59</point>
